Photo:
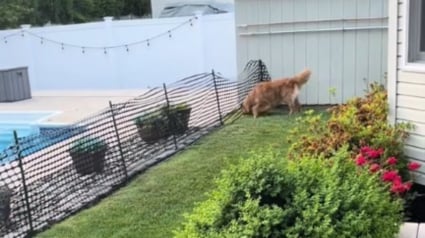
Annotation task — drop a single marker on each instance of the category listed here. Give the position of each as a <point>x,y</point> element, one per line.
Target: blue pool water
<point>25,124</point>
<point>33,134</point>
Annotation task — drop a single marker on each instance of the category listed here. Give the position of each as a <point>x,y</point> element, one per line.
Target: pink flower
<point>390,176</point>
<point>398,187</point>
<point>374,167</point>
<point>365,149</point>
<point>397,178</point>
<point>374,154</point>
<point>413,166</point>
<point>408,186</point>
<point>360,161</point>
<point>391,161</point>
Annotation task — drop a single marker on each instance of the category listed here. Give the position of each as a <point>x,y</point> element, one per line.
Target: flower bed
<point>343,175</point>
<point>267,196</point>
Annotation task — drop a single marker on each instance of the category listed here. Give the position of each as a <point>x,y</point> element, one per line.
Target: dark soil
<point>415,209</point>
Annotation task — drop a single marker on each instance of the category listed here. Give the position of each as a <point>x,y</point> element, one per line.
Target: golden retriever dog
<point>267,95</point>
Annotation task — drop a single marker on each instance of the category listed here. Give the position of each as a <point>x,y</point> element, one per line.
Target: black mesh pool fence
<point>45,178</point>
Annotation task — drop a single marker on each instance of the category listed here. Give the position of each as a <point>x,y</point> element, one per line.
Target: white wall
<point>208,44</point>
<point>406,86</point>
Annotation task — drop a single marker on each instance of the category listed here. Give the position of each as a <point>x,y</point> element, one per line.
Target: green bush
<point>360,122</point>
<point>267,196</point>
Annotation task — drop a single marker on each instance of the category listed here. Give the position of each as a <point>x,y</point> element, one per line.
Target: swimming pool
<point>24,123</point>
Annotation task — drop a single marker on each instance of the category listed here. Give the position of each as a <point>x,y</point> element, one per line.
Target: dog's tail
<point>302,77</point>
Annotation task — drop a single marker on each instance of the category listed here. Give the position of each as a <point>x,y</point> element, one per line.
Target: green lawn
<point>153,203</point>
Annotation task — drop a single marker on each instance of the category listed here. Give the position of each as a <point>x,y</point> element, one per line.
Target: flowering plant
<point>390,169</point>
<point>359,122</point>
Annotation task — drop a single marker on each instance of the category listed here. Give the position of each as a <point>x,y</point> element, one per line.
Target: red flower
<point>374,168</point>
<point>398,187</point>
<point>389,176</point>
<point>374,154</point>
<point>408,186</point>
<point>397,179</point>
<point>360,160</point>
<point>413,166</point>
<point>391,161</point>
<point>365,149</point>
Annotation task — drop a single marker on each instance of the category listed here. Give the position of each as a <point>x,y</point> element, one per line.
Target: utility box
<point>14,85</point>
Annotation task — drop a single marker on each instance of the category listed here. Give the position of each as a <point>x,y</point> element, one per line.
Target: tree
<point>13,13</point>
<point>137,7</point>
<point>39,12</point>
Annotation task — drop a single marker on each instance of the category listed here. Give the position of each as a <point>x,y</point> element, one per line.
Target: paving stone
<point>408,230</point>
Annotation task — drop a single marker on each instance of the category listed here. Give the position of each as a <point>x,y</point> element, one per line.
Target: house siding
<point>406,88</point>
<point>343,42</point>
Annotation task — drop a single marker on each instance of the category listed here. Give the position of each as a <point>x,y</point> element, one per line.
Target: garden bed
<point>415,209</point>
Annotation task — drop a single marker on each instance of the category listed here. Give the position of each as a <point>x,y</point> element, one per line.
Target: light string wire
<point>126,45</point>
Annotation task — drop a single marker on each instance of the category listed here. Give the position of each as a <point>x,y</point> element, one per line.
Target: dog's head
<point>245,109</point>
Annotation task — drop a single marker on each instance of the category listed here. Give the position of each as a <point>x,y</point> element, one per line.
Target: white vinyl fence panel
<point>343,42</point>
<point>127,54</point>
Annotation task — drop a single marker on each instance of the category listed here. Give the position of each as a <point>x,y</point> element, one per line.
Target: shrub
<point>311,136</point>
<point>267,196</point>
<point>360,122</point>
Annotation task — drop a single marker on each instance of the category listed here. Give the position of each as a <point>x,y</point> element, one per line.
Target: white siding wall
<point>406,88</point>
<point>291,34</point>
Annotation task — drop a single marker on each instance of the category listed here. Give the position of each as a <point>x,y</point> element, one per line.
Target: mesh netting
<point>47,177</point>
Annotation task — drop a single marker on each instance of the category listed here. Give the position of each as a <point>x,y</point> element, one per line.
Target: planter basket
<point>180,121</point>
<point>163,126</point>
<point>5,195</point>
<point>87,163</point>
<point>151,134</point>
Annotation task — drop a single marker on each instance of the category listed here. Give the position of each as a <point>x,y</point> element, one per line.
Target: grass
<point>153,203</point>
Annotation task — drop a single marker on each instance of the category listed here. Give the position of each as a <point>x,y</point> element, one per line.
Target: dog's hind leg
<point>292,107</point>
<point>297,105</point>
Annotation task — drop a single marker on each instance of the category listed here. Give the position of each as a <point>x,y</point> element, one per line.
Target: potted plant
<point>5,195</point>
<point>179,117</point>
<point>152,126</point>
<point>163,123</point>
<point>88,155</point>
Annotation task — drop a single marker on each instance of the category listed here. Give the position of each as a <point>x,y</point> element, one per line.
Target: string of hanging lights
<point>105,49</point>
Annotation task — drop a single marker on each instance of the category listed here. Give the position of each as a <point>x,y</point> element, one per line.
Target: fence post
<point>168,115</point>
<point>260,63</point>
<point>119,141</point>
<point>217,97</point>
<point>24,183</point>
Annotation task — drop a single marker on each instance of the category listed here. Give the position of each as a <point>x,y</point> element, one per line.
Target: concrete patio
<point>71,105</point>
